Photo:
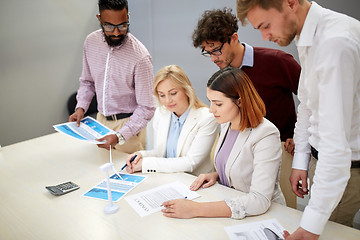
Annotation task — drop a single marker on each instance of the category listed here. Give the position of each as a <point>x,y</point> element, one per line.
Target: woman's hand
<point>180,208</point>
<point>204,180</point>
<point>136,164</point>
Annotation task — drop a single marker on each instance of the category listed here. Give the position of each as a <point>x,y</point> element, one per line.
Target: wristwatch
<point>121,139</point>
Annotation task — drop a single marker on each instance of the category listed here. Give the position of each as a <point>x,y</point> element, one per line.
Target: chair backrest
<point>71,104</point>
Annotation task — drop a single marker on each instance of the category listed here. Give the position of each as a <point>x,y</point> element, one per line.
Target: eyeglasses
<point>216,52</point>
<point>122,27</point>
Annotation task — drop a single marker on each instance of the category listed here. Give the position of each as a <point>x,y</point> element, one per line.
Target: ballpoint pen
<point>131,160</point>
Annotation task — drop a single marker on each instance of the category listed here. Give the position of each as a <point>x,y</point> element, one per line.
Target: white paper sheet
<point>150,201</point>
<point>256,231</point>
<point>119,187</point>
<point>88,131</point>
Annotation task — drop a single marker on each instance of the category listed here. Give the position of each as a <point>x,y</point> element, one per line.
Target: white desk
<point>29,211</point>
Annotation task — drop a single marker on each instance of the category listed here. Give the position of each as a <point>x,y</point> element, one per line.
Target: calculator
<point>62,188</point>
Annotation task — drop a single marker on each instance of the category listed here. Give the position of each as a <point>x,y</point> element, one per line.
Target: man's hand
<point>289,146</point>
<point>110,141</point>
<point>300,234</point>
<point>298,181</point>
<point>77,116</point>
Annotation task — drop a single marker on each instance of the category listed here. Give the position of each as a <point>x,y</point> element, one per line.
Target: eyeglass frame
<point>216,52</point>
<point>122,27</point>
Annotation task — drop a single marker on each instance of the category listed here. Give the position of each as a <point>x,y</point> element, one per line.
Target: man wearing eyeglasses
<point>274,73</point>
<point>118,68</point>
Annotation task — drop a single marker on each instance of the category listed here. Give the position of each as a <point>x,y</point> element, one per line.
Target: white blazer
<point>253,167</point>
<point>193,148</point>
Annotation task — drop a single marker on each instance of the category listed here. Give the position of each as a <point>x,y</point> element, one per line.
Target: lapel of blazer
<point>236,149</point>
<point>189,124</point>
<point>163,130</point>
<point>223,130</point>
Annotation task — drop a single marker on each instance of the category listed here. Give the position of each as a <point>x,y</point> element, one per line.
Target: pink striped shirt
<point>127,88</point>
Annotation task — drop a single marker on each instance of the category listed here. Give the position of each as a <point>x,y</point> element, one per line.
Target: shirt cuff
<point>144,166</point>
<point>83,106</point>
<point>148,165</point>
<point>301,161</point>
<point>313,221</point>
<point>237,208</point>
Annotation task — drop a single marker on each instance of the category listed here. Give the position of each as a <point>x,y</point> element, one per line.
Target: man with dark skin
<point>118,67</point>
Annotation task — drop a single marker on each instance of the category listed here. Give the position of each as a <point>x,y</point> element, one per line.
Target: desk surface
<point>29,211</point>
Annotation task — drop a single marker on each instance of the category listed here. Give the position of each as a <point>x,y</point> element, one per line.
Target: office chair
<point>71,104</point>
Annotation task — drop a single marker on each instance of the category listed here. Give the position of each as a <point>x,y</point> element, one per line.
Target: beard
<point>115,41</point>
<point>227,61</point>
<point>289,35</point>
<point>287,40</point>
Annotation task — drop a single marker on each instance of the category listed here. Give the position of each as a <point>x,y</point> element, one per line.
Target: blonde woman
<point>184,129</point>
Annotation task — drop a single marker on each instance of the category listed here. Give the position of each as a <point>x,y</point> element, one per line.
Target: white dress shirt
<point>329,110</point>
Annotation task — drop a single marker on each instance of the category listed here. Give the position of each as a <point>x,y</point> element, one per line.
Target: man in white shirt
<point>328,124</point>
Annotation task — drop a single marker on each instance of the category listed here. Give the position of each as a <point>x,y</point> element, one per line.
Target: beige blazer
<point>253,167</point>
<point>193,148</point>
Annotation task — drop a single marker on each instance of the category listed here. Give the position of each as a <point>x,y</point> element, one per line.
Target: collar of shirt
<point>182,118</point>
<point>248,59</point>
<point>309,28</point>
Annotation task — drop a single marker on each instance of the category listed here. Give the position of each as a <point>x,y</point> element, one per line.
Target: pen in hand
<point>131,160</point>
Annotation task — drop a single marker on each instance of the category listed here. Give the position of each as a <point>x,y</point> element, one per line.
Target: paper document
<point>88,131</point>
<point>150,201</point>
<point>119,187</point>
<point>263,230</point>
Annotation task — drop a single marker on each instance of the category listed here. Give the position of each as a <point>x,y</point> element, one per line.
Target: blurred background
<point>41,46</point>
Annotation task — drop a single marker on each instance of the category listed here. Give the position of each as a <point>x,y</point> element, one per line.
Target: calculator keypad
<point>62,188</point>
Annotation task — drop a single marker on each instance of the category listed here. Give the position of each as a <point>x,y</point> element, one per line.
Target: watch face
<point>121,139</point>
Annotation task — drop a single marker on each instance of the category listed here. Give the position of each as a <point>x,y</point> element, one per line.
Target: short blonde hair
<point>175,74</point>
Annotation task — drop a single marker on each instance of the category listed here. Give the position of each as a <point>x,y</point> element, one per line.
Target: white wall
<point>41,52</point>
<point>40,62</point>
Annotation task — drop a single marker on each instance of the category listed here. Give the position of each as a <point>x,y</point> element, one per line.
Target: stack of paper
<point>88,131</point>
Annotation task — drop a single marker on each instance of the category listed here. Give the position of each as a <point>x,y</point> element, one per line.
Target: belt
<point>314,153</point>
<point>355,164</point>
<point>118,116</point>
